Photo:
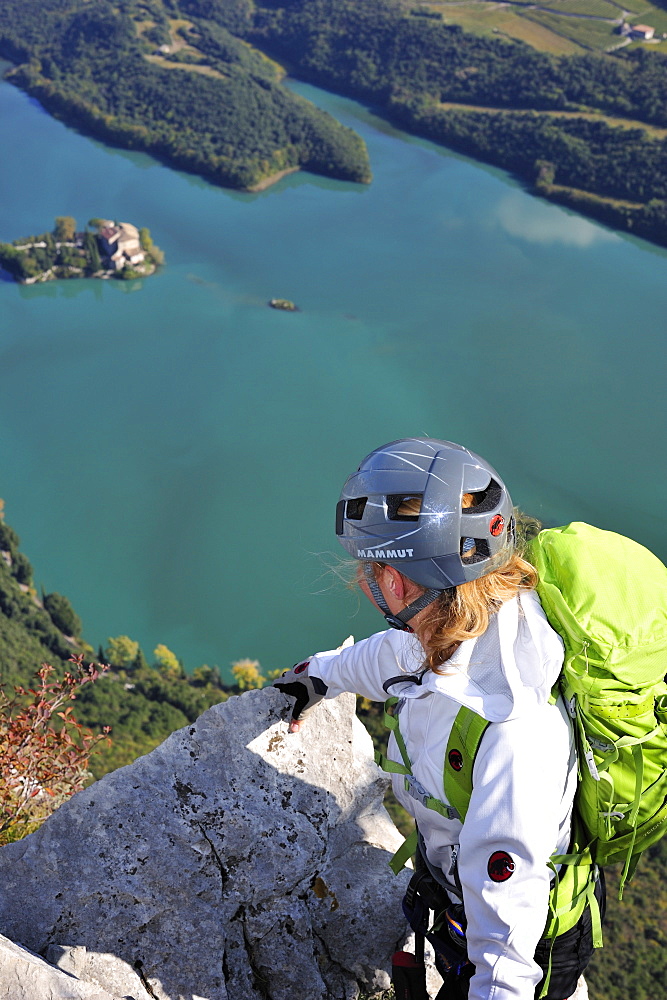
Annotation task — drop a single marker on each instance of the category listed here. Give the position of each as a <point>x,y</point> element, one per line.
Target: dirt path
<point>628,123</point>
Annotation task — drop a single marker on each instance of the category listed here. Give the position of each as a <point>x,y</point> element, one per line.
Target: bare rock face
<point>234,862</point>
<point>24,976</point>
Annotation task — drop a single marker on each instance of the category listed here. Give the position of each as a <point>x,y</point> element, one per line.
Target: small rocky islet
<point>285,304</point>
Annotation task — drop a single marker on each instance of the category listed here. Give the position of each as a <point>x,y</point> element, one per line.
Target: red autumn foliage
<point>44,751</point>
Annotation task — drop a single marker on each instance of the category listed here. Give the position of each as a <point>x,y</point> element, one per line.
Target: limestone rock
<point>234,862</point>
<point>96,968</point>
<point>24,976</point>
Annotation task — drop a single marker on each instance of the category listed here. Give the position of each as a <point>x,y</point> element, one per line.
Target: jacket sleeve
<point>512,826</point>
<point>365,666</point>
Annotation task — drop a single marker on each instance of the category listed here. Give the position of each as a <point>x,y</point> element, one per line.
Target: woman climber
<point>433,529</point>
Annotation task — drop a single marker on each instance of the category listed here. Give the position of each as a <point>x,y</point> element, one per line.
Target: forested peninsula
<point>200,84</point>
<point>142,75</point>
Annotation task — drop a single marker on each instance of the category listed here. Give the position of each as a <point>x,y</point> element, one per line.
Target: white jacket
<point>524,775</point>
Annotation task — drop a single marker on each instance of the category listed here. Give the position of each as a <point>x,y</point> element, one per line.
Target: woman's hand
<point>306,691</point>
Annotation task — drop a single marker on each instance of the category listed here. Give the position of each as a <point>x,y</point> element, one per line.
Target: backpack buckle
<point>416,790</point>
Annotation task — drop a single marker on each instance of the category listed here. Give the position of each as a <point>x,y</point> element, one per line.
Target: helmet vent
<point>485,500</point>
<point>355,508</point>
<point>474,550</point>
<point>409,501</point>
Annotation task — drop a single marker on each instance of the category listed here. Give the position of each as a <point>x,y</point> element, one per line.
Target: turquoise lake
<point>171,451</point>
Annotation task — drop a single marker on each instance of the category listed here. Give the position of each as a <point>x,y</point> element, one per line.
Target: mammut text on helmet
<point>384,553</point>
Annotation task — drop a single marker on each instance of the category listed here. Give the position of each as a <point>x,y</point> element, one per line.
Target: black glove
<point>306,691</point>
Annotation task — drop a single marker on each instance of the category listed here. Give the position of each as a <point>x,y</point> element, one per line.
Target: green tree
<point>21,569</point>
<point>157,255</point>
<point>246,674</point>
<point>93,262</point>
<point>145,239</point>
<point>201,676</point>
<point>166,661</point>
<point>11,260</point>
<point>122,651</point>
<point>62,614</point>
<point>140,662</point>
<point>9,540</point>
<point>65,229</point>
<point>546,173</point>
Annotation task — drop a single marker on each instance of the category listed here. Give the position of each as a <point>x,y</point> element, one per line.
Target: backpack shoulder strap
<point>412,786</point>
<point>462,747</point>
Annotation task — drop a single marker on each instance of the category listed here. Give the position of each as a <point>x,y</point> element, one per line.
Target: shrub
<point>246,674</point>
<point>42,761</point>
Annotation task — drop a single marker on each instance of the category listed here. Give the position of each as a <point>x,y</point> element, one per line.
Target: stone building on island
<point>120,244</point>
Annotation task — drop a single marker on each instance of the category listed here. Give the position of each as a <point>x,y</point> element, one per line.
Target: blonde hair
<point>450,620</point>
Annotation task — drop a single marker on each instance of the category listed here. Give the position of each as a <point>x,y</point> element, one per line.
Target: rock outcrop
<point>24,976</point>
<point>234,862</point>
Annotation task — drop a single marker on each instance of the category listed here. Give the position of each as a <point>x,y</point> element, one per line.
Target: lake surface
<point>171,451</point>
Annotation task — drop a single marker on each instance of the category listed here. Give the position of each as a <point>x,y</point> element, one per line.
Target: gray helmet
<point>444,545</point>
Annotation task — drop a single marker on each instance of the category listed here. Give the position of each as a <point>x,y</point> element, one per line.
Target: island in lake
<point>105,249</point>
<point>285,304</point>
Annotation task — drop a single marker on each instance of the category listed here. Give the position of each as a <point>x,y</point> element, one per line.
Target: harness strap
<point>413,787</point>
<point>387,764</point>
<point>416,790</point>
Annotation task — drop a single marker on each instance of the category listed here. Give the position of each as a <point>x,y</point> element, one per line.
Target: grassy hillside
<point>633,962</point>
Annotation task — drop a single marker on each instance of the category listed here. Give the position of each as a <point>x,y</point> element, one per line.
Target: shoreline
<point>41,279</point>
<point>271,180</point>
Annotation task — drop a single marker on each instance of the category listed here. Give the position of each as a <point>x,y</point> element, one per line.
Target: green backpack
<point>606,596</point>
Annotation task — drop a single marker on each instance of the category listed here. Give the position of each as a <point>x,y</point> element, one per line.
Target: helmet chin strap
<point>400,621</point>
